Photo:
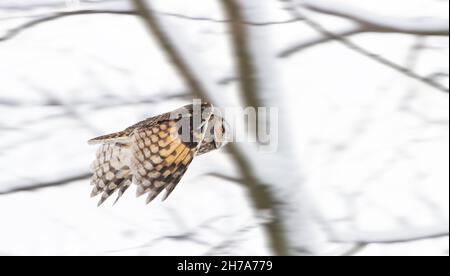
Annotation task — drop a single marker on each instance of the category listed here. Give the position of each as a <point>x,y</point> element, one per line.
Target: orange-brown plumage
<point>153,154</point>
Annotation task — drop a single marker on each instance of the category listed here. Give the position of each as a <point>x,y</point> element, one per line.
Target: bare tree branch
<point>31,185</point>
<point>102,103</point>
<point>58,15</point>
<point>189,235</point>
<point>315,25</point>
<point>226,177</point>
<point>292,229</point>
<point>245,65</point>
<point>21,6</point>
<point>318,39</point>
<point>395,236</point>
<point>363,21</point>
<point>17,30</point>
<point>372,22</point>
<point>244,22</point>
<point>231,240</point>
<point>70,110</point>
<point>363,238</point>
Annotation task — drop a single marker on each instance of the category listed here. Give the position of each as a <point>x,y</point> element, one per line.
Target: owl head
<point>201,125</point>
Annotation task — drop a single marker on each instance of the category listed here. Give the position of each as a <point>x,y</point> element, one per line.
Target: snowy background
<point>373,143</point>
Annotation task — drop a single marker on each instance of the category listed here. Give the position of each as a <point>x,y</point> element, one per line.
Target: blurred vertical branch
<point>260,86</point>
<point>144,10</point>
<point>261,196</point>
<point>245,66</point>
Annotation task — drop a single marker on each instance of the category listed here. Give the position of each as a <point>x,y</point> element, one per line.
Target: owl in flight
<point>154,154</point>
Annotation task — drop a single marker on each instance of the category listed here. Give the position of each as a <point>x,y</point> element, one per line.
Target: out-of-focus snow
<point>373,144</point>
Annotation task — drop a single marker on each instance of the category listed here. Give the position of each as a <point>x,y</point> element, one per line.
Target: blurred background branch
<point>396,236</point>
<point>362,21</point>
<point>353,46</point>
<point>55,16</point>
<point>371,22</point>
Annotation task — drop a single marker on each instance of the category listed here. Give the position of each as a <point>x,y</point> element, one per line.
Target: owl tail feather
<point>120,185</point>
<point>111,172</point>
<point>117,137</point>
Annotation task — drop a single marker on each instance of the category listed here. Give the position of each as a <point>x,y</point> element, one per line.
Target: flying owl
<point>155,153</point>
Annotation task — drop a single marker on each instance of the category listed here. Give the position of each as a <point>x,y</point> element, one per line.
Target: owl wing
<point>111,170</point>
<point>150,153</point>
<point>124,136</point>
<point>159,158</point>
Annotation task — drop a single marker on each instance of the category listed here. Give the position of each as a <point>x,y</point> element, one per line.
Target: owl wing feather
<point>111,170</point>
<point>160,159</point>
<point>150,154</point>
<point>112,167</point>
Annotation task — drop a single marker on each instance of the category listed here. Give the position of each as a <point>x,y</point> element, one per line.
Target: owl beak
<point>202,125</point>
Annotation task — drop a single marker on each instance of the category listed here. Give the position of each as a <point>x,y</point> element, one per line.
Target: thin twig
<point>379,23</point>
<point>304,44</point>
<point>15,31</point>
<point>190,235</point>
<point>315,25</point>
<point>394,236</point>
<point>226,177</point>
<point>47,184</point>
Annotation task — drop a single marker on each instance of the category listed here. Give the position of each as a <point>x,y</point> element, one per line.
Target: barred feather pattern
<point>111,171</point>
<point>160,159</point>
<point>150,154</point>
